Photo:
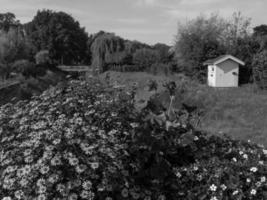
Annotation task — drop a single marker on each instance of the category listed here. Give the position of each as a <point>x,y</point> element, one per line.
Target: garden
<point>86,140</point>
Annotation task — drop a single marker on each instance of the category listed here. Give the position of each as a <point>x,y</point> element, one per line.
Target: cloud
<point>132,21</point>
<point>146,2</point>
<point>198,2</point>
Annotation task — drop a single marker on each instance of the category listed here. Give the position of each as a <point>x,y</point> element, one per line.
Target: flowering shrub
<point>86,141</point>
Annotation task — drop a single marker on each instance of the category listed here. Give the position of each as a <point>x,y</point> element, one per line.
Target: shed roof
<point>223,58</point>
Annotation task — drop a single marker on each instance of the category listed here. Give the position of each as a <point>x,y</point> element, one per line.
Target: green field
<point>238,112</point>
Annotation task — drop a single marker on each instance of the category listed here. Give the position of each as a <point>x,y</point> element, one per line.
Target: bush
<point>27,68</point>
<point>160,68</point>
<point>22,66</point>
<point>86,141</point>
<point>145,58</point>
<point>42,57</point>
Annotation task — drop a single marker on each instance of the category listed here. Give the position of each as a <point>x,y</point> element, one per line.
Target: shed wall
<point>227,74</point>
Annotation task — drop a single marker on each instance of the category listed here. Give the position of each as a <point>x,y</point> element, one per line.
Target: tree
<point>196,41</point>
<point>7,20</point>
<point>260,35</point>
<point>236,30</point>
<point>145,58</point>
<point>260,69</point>
<point>108,49</point>
<point>60,34</point>
<point>208,37</point>
<point>13,46</point>
<point>164,54</point>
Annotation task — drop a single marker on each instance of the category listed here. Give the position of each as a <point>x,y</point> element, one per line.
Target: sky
<point>149,21</point>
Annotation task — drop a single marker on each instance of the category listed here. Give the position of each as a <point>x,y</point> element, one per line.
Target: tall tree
<point>145,57</point>
<point>260,35</point>
<point>60,34</point>
<point>208,37</point>
<point>260,69</point>
<point>7,20</point>
<point>164,54</point>
<point>107,48</point>
<point>196,41</point>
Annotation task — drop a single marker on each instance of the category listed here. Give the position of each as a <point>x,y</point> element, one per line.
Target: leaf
<point>187,139</point>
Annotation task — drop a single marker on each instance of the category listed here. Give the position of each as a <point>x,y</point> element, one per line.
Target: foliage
<point>107,49</point>
<point>4,71</point>
<point>145,58</point>
<point>208,37</point>
<point>22,66</point>
<point>7,20</point>
<point>260,34</point>
<point>110,52</point>
<point>238,41</point>
<point>42,57</point>
<point>197,41</point>
<point>86,141</point>
<point>60,34</point>
<point>13,46</point>
<point>260,69</point>
<point>164,54</point>
<point>160,68</point>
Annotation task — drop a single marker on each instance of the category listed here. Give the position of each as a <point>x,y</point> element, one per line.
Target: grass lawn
<point>238,112</point>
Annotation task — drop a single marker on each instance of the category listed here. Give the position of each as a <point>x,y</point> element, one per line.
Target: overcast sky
<point>149,21</point>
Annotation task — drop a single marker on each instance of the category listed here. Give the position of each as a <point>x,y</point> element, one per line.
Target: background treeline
<point>56,38</point>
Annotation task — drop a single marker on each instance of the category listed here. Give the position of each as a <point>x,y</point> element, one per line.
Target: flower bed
<point>87,141</point>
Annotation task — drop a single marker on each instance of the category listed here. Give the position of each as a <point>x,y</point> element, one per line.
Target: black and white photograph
<point>133,100</point>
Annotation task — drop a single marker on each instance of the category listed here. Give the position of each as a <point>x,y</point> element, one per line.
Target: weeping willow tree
<point>13,46</point>
<point>107,49</point>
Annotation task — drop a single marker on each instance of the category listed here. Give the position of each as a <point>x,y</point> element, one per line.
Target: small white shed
<point>223,71</point>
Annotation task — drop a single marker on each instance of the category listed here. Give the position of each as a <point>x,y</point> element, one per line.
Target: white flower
<point>41,197</point>
<point>87,185</point>
<point>124,193</point>
<point>60,187</point>
<point>245,156</point>
<point>41,182</point>
<point>234,159</point>
<point>134,125</point>
<point>7,198</point>
<point>73,197</point>
<point>214,198</point>
<point>44,169</point>
<point>178,174</point>
<point>94,165</point>
<point>19,194</point>
<point>235,192</point>
<point>73,161</point>
<point>258,184</point>
<point>253,192</point>
<point>253,169</point>
<point>248,180</point>
<point>263,179</point>
<point>223,187</point>
<point>42,189</point>
<point>213,187</point>
<point>261,162</point>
